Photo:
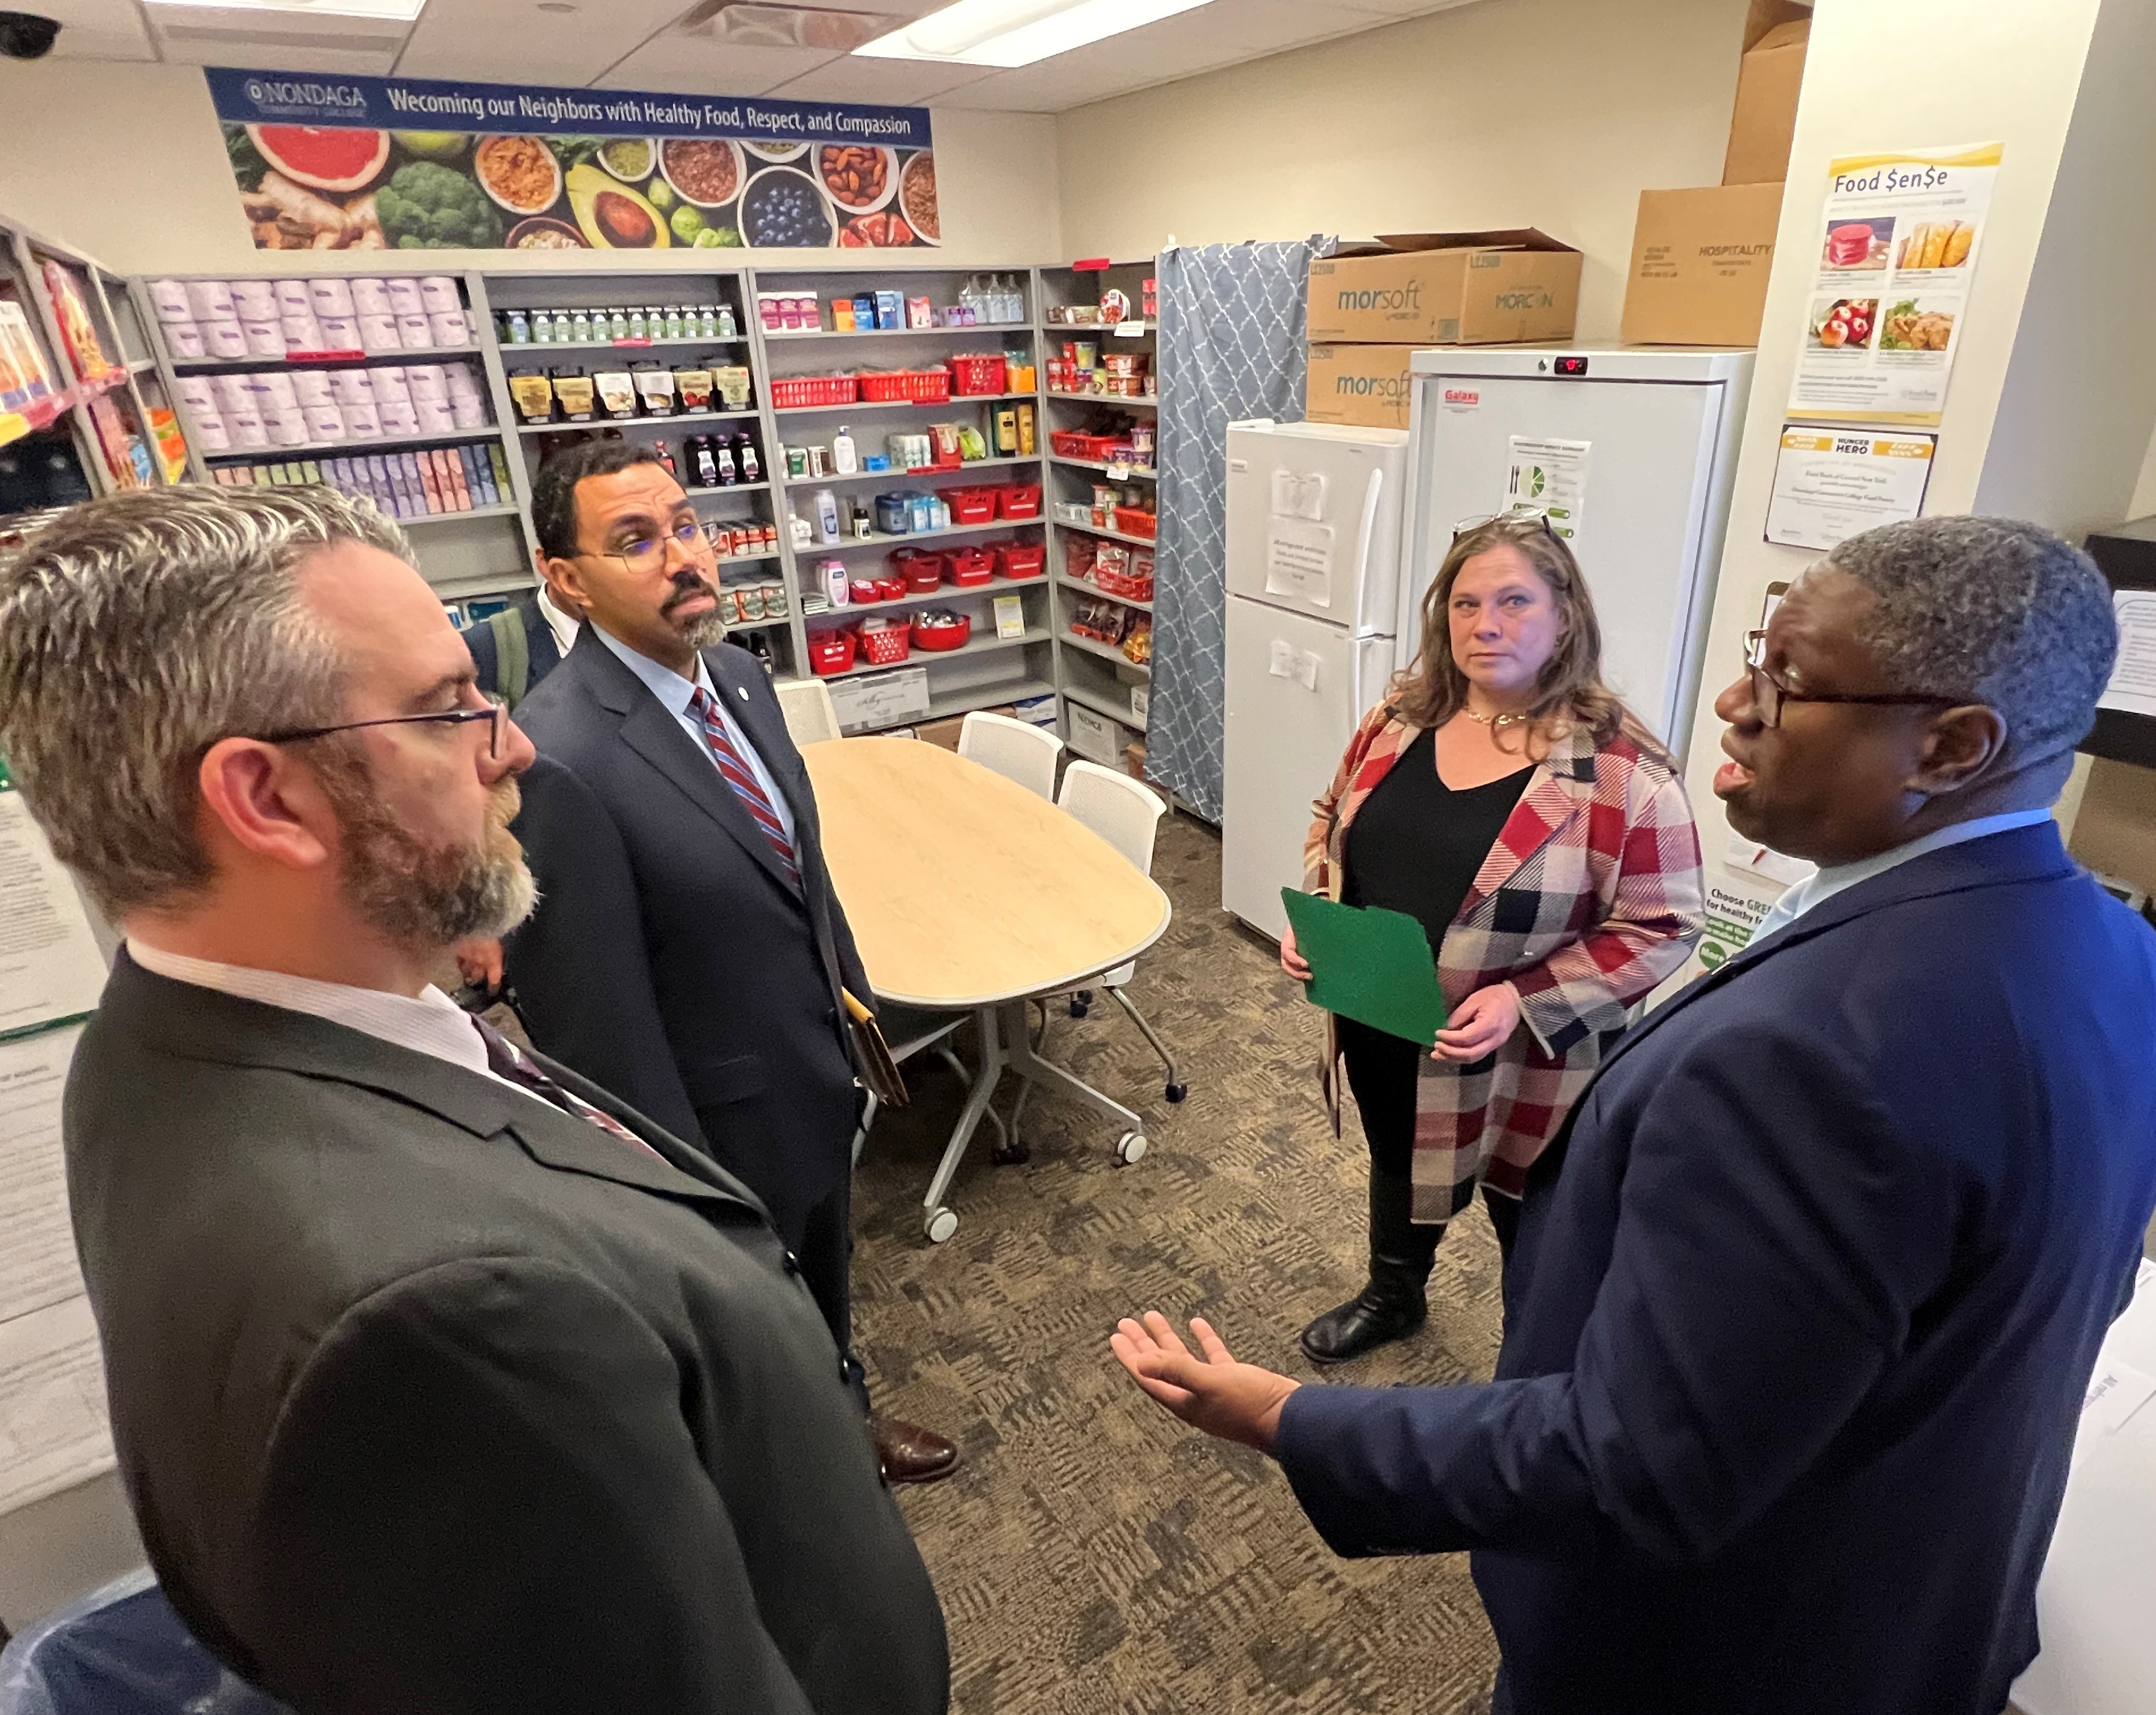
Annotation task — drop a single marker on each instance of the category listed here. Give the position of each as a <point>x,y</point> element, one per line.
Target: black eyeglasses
<point>648,553</point>
<point>1769,693</point>
<point>496,711</point>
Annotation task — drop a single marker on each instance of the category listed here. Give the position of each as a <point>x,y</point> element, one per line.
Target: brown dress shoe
<point>910,1454</point>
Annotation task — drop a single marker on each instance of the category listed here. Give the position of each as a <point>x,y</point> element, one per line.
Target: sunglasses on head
<point>1522,514</point>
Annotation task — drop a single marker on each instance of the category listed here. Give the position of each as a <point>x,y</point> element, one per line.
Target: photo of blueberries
<point>784,208</point>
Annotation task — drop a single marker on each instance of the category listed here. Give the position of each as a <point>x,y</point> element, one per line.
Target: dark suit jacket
<point>429,1397</point>
<point>543,653</point>
<point>670,960</point>
<point>1799,1337</point>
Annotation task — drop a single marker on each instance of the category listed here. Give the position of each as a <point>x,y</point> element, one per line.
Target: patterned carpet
<point>1093,1555</point>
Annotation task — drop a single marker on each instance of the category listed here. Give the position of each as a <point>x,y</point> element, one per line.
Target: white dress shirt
<point>673,693</point>
<point>1822,885</point>
<point>429,1024</point>
<point>563,625</point>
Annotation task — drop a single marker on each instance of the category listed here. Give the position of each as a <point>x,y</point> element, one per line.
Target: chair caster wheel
<point>1012,1154</point>
<point>1081,1004</point>
<point>1176,1092</point>
<point>941,1224</point>
<point>1130,1147</point>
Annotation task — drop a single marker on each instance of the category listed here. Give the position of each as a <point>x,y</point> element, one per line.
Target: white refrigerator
<point>1630,452</point>
<point>1313,627</point>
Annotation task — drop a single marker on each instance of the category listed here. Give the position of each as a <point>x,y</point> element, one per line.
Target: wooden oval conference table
<point>968,893</point>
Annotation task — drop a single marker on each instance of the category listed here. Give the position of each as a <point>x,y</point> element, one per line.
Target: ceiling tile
<point>691,65</point>
<point>97,29</point>
<point>892,83</point>
<point>276,56</point>
<point>512,41</point>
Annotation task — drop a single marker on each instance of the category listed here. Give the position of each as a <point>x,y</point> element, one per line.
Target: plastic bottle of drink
<point>751,468</point>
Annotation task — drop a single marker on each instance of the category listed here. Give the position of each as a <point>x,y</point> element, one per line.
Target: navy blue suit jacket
<point>1798,1339</point>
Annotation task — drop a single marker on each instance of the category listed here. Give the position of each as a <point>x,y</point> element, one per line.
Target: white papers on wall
<point>49,965</point>
<point>53,1432</point>
<point>2132,687</point>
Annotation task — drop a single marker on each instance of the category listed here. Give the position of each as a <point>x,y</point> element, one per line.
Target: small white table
<point>968,893</point>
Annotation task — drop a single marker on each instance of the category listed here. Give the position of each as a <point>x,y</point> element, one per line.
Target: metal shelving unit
<point>1091,675</point>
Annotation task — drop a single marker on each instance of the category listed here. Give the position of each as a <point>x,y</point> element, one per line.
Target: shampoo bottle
<point>844,462</point>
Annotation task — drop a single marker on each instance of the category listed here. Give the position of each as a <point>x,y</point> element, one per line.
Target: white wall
<point>126,162</point>
<point>1548,113</point>
<point>1995,70</point>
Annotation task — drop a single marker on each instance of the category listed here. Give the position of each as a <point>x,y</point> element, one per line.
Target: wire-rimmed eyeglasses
<point>1769,693</point>
<point>647,554</point>
<point>496,711</point>
<point>1523,513</point>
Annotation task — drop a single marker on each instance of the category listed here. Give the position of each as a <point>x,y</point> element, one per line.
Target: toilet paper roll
<point>340,333</point>
<point>391,383</point>
<point>468,412</point>
<point>331,296</point>
<point>415,333</point>
<point>209,430</point>
<point>285,427</point>
<point>185,340</point>
<point>371,297</point>
<point>360,420</point>
<point>246,430</point>
<point>235,394</point>
<point>254,300</point>
<point>311,386</point>
<point>378,333</point>
<point>324,422</point>
<point>463,379</point>
<point>303,332</point>
<point>352,387</point>
<point>433,416</point>
<point>275,386</point>
<point>438,292</point>
<point>292,297</point>
<point>264,339</point>
<point>195,391</point>
<point>397,416</point>
<point>169,299</point>
<point>225,339</point>
<point>210,301</point>
<point>449,327</point>
<point>404,298</point>
<point>428,382</point>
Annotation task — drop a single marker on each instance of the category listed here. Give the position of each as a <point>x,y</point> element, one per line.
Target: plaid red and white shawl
<point>1592,895</point>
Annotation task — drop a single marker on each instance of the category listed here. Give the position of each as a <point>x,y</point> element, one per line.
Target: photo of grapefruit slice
<point>323,158</point>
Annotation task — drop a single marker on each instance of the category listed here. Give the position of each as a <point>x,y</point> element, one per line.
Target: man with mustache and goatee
<point>689,952</point>
<point>440,1378</point>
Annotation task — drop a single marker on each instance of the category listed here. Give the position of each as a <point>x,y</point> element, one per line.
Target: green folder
<point>1369,965</point>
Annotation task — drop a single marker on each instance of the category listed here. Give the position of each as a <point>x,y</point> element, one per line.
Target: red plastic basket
<point>883,642</point>
<point>1122,584</point>
<point>794,392</point>
<point>979,372</point>
<point>1133,522</point>
<point>972,565</point>
<point>1067,442</point>
<point>1018,500</point>
<point>970,506</point>
<point>933,639</point>
<point>923,573</point>
<point>830,652</point>
<point>1020,559</point>
<point>884,387</point>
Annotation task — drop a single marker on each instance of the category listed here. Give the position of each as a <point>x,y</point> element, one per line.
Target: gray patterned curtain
<point>1231,346</point>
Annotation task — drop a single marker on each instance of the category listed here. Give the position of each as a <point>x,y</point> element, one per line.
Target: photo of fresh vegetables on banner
<point>321,166</point>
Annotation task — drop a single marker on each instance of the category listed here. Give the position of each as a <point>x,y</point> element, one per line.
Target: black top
<point>1416,845</point>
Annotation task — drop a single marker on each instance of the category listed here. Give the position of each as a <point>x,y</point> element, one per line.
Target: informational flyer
<point>1549,477</point>
<point>2132,687</point>
<point>1830,485</point>
<point>50,968</point>
<point>1897,248</point>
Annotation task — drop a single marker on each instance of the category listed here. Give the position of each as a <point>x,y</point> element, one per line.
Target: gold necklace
<point>1495,723</point>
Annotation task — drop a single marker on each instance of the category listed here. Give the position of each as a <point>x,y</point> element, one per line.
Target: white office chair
<point>908,1032</point>
<point>1017,750</point>
<point>810,716</point>
<point>1127,814</point>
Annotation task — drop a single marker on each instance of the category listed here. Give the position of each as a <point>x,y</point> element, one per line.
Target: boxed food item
<point>1767,83</point>
<point>1446,289</point>
<point>1700,263</point>
<point>1364,385</point>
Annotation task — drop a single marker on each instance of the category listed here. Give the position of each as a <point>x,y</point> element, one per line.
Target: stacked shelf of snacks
<point>381,385</point>
<point>667,359</point>
<point>1100,403</point>
<point>80,414</point>
<point>905,415</point>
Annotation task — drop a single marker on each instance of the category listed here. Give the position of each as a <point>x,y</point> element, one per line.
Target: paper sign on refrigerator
<point>1299,560</point>
<point>1549,477</point>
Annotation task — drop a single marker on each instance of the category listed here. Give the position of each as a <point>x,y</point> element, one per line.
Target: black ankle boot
<point>1393,1302</point>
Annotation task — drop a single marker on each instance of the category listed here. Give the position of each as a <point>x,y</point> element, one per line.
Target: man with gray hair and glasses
<point>1806,1295</point>
<point>439,1380</point>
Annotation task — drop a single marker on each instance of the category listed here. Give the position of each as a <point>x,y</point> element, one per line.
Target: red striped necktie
<point>742,779</point>
<point>507,1062</point>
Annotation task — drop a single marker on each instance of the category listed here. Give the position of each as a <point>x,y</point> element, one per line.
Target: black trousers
<point>1383,1071</point>
<point>824,1248</point>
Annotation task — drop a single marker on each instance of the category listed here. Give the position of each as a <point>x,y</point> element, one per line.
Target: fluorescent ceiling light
<point>1018,32</point>
<point>404,11</point>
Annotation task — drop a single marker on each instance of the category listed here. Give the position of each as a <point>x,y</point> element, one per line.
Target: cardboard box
<point>880,700</point>
<point>1367,385</point>
<point>1446,289</point>
<point>1768,84</point>
<point>1700,263</point>
<point>1095,736</point>
<point>945,733</point>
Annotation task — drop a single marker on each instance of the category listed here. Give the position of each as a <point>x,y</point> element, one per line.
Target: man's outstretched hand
<point>1237,1402</point>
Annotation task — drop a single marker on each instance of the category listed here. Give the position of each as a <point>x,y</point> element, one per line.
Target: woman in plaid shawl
<point>1544,840</point>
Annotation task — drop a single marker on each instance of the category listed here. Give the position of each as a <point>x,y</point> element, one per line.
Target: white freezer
<point>1650,439</point>
<point>1314,519</point>
<point>1285,733</point>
